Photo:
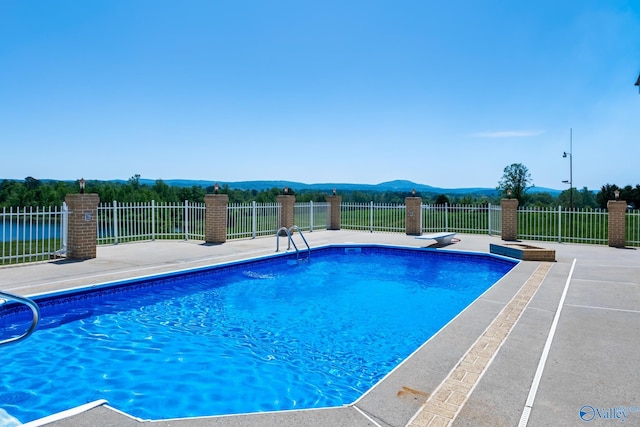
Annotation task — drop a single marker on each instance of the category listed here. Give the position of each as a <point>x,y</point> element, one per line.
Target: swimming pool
<point>263,335</point>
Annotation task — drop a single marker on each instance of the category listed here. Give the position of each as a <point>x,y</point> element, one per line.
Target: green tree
<point>606,193</point>
<point>571,198</point>
<point>31,183</point>
<point>465,200</point>
<point>442,199</point>
<point>515,182</point>
<point>629,194</point>
<point>626,194</point>
<point>360,197</point>
<point>541,200</point>
<point>635,197</point>
<point>163,192</point>
<point>588,198</point>
<point>134,181</point>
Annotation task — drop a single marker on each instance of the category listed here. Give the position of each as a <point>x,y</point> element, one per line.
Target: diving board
<point>443,238</point>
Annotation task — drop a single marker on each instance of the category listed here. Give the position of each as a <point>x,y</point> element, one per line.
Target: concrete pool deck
<point>483,369</point>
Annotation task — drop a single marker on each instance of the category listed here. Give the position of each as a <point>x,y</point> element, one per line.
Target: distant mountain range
<point>397,185</point>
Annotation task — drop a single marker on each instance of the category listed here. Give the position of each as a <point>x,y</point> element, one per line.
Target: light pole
<point>570,182</point>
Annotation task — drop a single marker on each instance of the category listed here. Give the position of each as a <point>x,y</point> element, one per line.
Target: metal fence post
<point>559,224</point>
<point>371,217</point>
<point>115,222</point>
<point>489,219</point>
<point>446,217</point>
<point>254,220</point>
<point>153,220</point>
<point>65,226</point>
<point>30,228</point>
<point>310,216</point>
<point>186,220</point>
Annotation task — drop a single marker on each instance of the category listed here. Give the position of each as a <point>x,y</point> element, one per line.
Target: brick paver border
<point>444,404</point>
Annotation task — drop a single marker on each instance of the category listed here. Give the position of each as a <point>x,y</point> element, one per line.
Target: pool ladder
<point>291,242</point>
<point>4,298</point>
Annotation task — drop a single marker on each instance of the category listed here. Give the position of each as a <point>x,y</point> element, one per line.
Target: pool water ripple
<point>260,337</point>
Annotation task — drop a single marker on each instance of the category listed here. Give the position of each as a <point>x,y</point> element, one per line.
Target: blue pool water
<point>265,335</point>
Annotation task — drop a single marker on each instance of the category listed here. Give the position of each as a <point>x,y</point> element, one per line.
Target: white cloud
<point>508,134</point>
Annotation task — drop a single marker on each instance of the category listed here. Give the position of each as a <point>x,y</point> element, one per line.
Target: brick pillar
<point>287,218</point>
<point>413,215</point>
<point>509,219</point>
<point>83,225</point>
<point>334,212</point>
<point>216,218</point>
<point>617,232</point>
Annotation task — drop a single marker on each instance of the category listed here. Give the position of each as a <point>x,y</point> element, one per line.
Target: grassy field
<point>21,251</point>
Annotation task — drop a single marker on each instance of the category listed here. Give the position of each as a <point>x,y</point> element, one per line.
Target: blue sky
<point>440,93</point>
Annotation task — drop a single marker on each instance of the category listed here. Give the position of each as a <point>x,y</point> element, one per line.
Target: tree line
<point>516,180</point>
<point>32,192</point>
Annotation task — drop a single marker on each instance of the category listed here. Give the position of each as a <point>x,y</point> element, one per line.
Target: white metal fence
<point>35,234</point>
<point>311,216</point>
<point>32,234</point>
<point>632,224</point>
<point>251,220</point>
<point>495,219</point>
<point>118,223</point>
<point>562,225</point>
<point>373,218</point>
<point>462,219</point>
<point>129,222</point>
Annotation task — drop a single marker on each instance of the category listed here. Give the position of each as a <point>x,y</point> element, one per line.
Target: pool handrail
<point>34,309</point>
<point>278,237</point>
<point>289,233</point>
<point>296,228</point>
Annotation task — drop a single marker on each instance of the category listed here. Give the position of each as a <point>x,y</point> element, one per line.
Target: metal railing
<point>5,297</point>
<point>562,225</point>
<point>130,222</point>
<point>38,234</point>
<point>460,218</point>
<point>632,226</point>
<point>251,220</point>
<point>495,220</point>
<point>283,231</point>
<point>32,234</point>
<point>373,218</point>
<point>311,216</point>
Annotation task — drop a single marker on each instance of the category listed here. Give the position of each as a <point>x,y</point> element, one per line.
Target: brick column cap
<point>617,204</point>
<point>219,197</point>
<point>86,196</point>
<point>509,202</point>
